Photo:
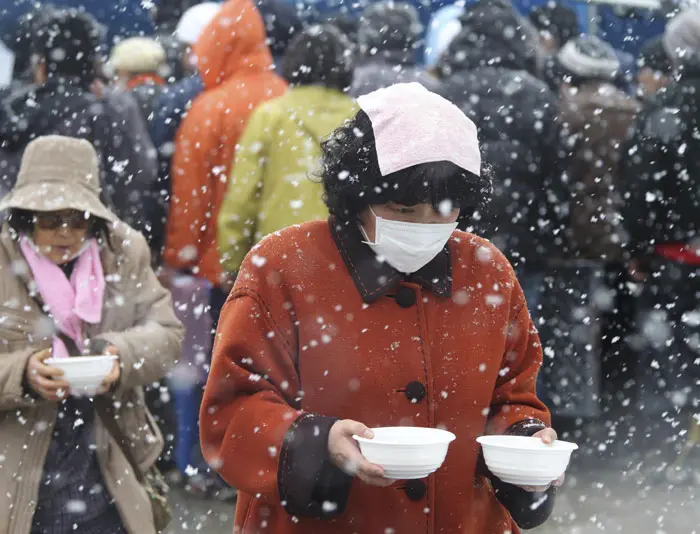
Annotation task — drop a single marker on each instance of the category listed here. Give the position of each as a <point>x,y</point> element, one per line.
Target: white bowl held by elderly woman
<point>85,374</point>
<point>526,461</point>
<point>406,453</point>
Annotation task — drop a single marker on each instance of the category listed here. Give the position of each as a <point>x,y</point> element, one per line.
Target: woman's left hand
<point>548,436</point>
<point>116,372</point>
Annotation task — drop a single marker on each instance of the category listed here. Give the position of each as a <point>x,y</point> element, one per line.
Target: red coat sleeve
<point>252,430</point>
<point>514,399</point>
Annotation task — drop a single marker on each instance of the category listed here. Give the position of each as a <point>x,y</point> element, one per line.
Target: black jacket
<point>71,110</point>
<point>661,170</point>
<point>486,72</point>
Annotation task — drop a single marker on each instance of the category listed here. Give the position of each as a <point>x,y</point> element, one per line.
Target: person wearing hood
<point>236,67</point>
<point>66,45</point>
<point>76,281</point>
<point>661,187</point>
<point>597,117</point>
<point>654,69</point>
<point>271,184</point>
<point>487,72</point>
<point>387,314</point>
<point>389,37</point>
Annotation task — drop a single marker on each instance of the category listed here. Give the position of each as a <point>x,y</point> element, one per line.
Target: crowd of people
<point>150,180</point>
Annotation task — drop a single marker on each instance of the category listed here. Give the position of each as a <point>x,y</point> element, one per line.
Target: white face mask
<point>408,247</point>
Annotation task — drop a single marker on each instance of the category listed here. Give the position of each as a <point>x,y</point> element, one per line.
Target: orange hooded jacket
<point>237,70</point>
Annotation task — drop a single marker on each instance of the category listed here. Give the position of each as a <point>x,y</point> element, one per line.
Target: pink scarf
<point>73,301</point>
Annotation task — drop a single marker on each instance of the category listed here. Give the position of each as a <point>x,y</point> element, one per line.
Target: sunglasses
<point>54,221</point>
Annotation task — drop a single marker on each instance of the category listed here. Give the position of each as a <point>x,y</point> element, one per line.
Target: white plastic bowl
<point>84,373</point>
<point>526,461</point>
<point>406,453</point>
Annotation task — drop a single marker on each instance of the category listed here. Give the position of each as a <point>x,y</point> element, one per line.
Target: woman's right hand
<point>44,379</point>
<point>346,455</point>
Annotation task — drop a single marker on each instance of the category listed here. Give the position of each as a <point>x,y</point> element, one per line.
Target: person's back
<point>236,68</point>
<point>597,117</point>
<point>389,34</point>
<point>61,103</point>
<point>661,168</point>
<point>489,77</point>
<point>272,182</point>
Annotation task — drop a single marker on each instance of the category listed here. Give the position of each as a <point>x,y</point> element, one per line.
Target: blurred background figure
<point>389,37</point>
<point>662,198</point>
<point>85,286</point>
<point>486,71</point>
<point>272,182</point>
<point>597,117</point>
<point>282,24</point>
<point>139,64</point>
<point>556,25</point>
<point>66,46</point>
<point>654,69</point>
<point>172,105</point>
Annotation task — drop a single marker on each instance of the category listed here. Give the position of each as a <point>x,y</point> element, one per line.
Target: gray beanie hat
<point>682,37</point>
<point>589,57</point>
<point>58,173</point>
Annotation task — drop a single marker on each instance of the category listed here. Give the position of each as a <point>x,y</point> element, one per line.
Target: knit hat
<point>413,126</point>
<point>682,37</point>
<point>58,173</point>
<point>589,57</point>
<point>560,21</point>
<point>653,56</point>
<point>137,54</point>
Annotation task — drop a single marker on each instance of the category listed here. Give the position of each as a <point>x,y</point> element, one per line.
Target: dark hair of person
<point>320,55</point>
<point>21,222</point>
<point>560,21</point>
<point>653,56</point>
<point>68,42</point>
<point>352,180</point>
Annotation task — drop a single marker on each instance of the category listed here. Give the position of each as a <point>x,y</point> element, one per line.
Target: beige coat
<point>138,319</point>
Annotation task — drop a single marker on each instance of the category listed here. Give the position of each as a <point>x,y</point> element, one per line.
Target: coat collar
<point>375,279</point>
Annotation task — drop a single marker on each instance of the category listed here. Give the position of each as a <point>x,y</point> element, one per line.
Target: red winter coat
<point>316,329</point>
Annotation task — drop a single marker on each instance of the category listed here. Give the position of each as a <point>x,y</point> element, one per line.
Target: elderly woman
<point>76,280</point>
<point>386,315</point>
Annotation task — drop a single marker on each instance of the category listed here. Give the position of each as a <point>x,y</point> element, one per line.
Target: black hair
<point>560,21</point>
<point>21,222</point>
<point>653,55</point>
<point>68,41</point>
<point>320,55</point>
<point>352,180</point>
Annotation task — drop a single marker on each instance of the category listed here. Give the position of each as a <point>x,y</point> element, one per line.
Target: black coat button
<point>415,489</point>
<point>415,392</point>
<point>405,297</point>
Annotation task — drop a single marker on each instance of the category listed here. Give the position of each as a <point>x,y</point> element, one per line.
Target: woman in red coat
<point>386,315</point>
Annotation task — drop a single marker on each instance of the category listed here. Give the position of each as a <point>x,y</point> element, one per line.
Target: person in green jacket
<point>272,182</point>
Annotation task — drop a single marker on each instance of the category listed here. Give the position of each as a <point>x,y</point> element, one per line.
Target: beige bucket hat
<point>58,173</point>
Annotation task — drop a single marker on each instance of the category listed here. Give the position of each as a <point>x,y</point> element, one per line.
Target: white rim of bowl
<point>448,437</point>
<point>82,359</point>
<point>482,440</point>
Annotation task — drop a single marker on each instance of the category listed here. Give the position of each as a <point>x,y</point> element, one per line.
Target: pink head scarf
<point>413,126</point>
<point>70,302</point>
